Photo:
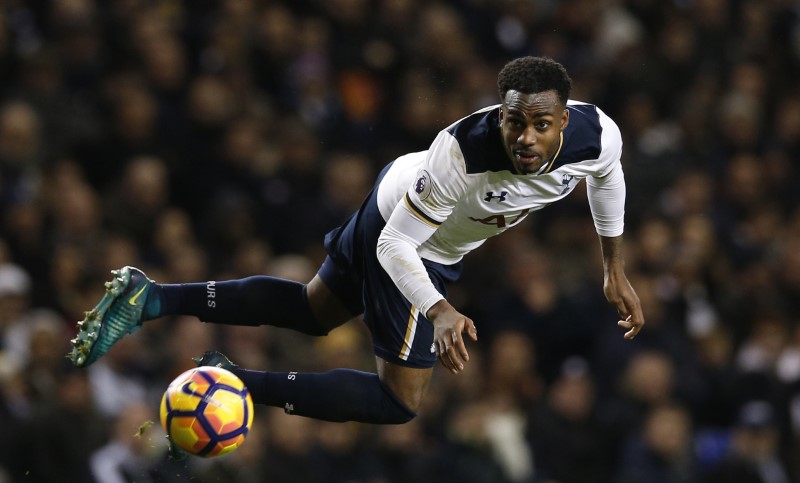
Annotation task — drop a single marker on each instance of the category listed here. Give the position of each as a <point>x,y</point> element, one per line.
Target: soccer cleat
<point>117,314</point>
<point>215,359</point>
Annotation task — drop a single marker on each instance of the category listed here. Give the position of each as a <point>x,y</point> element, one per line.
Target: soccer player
<point>392,259</point>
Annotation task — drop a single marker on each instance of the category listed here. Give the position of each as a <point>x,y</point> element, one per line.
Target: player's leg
<point>390,397</point>
<point>408,384</point>
<point>402,340</point>
<point>258,300</point>
<point>131,298</point>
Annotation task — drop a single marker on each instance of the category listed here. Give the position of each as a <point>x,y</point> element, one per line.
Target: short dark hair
<point>530,75</point>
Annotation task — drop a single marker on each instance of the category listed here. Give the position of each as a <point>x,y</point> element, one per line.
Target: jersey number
<point>500,220</point>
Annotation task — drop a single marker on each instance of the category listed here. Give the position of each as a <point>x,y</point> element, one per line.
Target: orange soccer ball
<point>207,411</point>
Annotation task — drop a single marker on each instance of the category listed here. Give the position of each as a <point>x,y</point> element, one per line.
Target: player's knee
<point>329,313</point>
<point>405,385</point>
<point>395,411</point>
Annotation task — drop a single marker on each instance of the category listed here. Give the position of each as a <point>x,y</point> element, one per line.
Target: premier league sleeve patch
<point>423,184</point>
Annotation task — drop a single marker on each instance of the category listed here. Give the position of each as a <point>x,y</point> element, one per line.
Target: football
<point>207,411</point>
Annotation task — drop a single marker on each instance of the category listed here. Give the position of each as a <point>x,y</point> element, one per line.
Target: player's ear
<point>565,119</point>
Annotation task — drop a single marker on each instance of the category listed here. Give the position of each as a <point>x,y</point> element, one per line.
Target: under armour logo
<point>501,197</point>
<point>565,182</point>
<point>433,348</point>
<point>289,408</point>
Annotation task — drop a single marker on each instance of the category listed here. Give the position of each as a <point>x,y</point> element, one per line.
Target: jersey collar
<point>547,167</point>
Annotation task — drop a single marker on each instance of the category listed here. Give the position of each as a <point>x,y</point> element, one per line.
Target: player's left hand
<point>620,293</point>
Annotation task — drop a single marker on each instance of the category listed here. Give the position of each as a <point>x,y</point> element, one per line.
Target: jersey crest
<point>422,186</point>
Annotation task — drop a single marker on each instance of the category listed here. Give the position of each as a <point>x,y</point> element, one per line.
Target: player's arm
<point>397,252</point>
<point>607,202</point>
<point>415,219</point>
<point>617,288</point>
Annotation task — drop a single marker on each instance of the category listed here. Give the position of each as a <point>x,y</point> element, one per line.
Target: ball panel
<point>228,445</point>
<point>225,411</point>
<point>187,436</point>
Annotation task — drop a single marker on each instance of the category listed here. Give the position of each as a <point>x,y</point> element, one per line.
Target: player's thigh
<point>325,305</point>
<point>409,384</point>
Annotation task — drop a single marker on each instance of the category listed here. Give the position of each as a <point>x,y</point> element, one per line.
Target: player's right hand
<point>449,326</point>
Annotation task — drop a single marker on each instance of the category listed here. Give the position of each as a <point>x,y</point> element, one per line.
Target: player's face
<point>531,125</point>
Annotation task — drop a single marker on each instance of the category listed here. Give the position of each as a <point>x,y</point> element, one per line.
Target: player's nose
<point>527,137</point>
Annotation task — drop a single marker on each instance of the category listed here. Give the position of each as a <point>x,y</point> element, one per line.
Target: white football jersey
<point>466,188</point>
<point>442,203</point>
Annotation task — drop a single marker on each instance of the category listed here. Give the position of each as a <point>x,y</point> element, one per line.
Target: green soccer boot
<point>119,312</point>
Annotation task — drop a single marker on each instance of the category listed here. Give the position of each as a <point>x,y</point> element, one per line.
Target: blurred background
<point>214,139</point>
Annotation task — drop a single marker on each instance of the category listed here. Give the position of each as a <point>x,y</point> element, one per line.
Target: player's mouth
<point>527,157</point>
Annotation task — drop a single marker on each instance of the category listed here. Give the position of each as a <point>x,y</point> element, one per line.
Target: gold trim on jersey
<point>553,161</point>
<point>419,214</point>
<point>411,329</point>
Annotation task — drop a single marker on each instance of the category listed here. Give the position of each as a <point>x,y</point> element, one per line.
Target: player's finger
<point>472,331</point>
<point>455,361</point>
<point>637,319</point>
<point>447,363</point>
<point>630,326</point>
<point>461,348</point>
<point>635,328</point>
<point>449,357</point>
<point>444,356</point>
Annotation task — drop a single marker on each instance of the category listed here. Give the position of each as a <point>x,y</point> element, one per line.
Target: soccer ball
<point>207,411</point>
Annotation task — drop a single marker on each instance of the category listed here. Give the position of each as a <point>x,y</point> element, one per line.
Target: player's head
<point>534,93</point>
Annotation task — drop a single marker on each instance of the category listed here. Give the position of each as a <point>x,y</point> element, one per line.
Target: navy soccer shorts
<point>400,334</point>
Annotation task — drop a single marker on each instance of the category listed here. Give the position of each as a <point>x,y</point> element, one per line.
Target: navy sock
<point>258,300</point>
<point>338,395</point>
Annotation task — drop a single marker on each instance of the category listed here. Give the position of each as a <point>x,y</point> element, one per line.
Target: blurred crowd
<point>215,139</point>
